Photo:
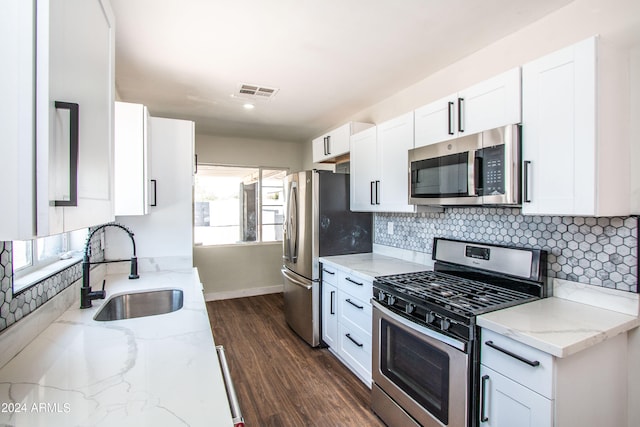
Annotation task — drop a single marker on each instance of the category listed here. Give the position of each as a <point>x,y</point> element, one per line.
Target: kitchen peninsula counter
<point>157,370</point>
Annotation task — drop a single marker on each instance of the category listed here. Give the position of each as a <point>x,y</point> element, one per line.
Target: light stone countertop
<point>372,265</point>
<point>158,370</point>
<point>576,318</point>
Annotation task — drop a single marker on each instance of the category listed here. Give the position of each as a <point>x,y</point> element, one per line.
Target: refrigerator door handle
<point>295,280</point>
<point>291,246</point>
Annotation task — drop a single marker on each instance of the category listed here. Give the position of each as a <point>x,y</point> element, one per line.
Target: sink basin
<point>140,304</point>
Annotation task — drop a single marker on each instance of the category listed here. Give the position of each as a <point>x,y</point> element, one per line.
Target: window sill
<point>222,245</point>
<point>22,283</point>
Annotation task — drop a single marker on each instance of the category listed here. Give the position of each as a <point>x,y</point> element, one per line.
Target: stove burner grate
<point>468,296</point>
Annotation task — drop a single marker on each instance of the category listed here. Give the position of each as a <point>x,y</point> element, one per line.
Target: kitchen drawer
<point>354,313</point>
<point>329,274</point>
<point>355,350</point>
<point>538,378</point>
<point>355,285</point>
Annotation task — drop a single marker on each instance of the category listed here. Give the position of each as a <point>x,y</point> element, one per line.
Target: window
<point>31,256</point>
<point>238,205</point>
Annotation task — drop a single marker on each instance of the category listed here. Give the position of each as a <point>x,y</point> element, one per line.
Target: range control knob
<point>445,323</point>
<point>409,308</point>
<point>391,300</point>
<point>430,317</point>
<point>381,296</point>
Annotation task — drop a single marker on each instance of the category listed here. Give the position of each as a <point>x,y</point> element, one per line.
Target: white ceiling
<point>329,58</point>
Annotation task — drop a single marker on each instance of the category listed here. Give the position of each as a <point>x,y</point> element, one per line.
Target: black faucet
<point>86,294</point>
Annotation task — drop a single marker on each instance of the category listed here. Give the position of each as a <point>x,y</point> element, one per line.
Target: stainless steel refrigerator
<point>317,223</point>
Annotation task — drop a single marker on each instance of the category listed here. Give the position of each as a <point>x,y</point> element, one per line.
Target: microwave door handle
<point>471,173</point>
<point>478,173</point>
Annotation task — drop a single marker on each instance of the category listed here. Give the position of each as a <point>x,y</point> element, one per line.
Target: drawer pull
<point>354,341</point>
<point>349,279</point>
<point>324,270</point>
<point>354,304</point>
<point>533,363</point>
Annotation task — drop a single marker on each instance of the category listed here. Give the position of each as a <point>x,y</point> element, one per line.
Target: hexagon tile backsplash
<point>13,308</point>
<point>596,251</point>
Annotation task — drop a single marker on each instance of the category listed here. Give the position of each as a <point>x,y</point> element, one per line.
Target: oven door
<point>420,370</point>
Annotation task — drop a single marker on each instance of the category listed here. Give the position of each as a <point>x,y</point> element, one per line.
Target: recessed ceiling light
<point>248,106</point>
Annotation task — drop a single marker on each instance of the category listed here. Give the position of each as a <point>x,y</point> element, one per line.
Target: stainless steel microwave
<point>478,169</point>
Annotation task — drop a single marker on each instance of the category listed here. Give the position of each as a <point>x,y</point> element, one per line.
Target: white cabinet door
<point>559,139</point>
<point>74,74</point>
<point>329,315</point>
<point>493,103</point>
<point>131,150</point>
<point>363,170</point>
<point>505,403</point>
<point>436,121</point>
<point>17,149</point>
<point>395,139</point>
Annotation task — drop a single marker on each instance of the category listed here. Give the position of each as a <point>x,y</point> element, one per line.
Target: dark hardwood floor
<point>279,379</point>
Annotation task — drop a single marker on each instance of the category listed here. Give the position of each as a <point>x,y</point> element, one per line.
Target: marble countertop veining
<point>158,370</point>
<point>372,265</point>
<point>563,326</point>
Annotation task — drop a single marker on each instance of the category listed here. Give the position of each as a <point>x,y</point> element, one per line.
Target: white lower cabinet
<point>521,386</point>
<point>346,319</point>
<point>507,403</point>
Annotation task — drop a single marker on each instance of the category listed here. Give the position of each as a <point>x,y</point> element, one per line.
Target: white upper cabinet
<point>59,112</point>
<point>335,143</point>
<point>131,183</point>
<point>395,139</point>
<point>363,170</point>
<point>487,105</point>
<point>575,139</point>
<point>379,167</point>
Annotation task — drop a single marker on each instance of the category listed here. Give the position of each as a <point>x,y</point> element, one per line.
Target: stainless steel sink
<point>141,304</point>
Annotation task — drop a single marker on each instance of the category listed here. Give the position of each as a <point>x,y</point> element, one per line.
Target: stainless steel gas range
<point>425,352</point>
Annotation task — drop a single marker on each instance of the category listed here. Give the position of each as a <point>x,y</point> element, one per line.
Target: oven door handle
<point>419,328</point>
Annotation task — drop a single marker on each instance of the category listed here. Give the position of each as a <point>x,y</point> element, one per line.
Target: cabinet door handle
<point>460,114</point>
<point>360,307</point>
<point>328,271</point>
<point>450,114</point>
<point>195,171</point>
<point>377,192</point>
<point>525,177</point>
<point>354,341</point>
<point>155,192</point>
<point>331,308</point>
<point>349,279</point>
<point>483,397</point>
<point>371,185</point>
<point>74,126</point>
<point>329,145</point>
<point>533,363</point>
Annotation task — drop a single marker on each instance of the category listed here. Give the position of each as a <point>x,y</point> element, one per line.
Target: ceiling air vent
<point>250,91</point>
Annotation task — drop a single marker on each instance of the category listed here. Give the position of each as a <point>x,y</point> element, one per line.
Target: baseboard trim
<point>241,293</point>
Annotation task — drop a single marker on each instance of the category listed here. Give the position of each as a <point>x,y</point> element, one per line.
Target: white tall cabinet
<point>58,92</point>
<point>379,166</point>
<point>575,126</point>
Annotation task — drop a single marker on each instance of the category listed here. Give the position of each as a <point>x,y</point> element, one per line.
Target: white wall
<point>252,269</point>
